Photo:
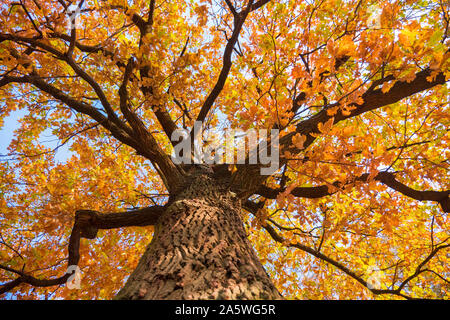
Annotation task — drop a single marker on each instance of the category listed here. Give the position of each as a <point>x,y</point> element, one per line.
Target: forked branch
<point>398,291</point>
<point>239,19</point>
<point>87,223</point>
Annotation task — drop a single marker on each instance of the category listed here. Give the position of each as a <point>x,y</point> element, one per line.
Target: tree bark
<point>200,250</point>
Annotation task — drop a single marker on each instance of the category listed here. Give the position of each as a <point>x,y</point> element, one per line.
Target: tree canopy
<point>358,90</point>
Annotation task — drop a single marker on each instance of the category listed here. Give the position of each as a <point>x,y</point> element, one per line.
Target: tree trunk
<point>200,250</point>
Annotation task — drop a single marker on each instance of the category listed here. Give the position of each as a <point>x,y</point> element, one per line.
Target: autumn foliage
<point>358,89</point>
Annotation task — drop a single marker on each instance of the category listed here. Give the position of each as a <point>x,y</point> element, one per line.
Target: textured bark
<point>200,250</point>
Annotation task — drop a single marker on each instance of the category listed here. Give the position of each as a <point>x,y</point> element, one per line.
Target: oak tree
<point>356,88</point>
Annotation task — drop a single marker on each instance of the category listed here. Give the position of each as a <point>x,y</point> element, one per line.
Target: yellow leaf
<point>346,47</point>
<point>347,131</point>
<point>298,140</point>
<point>332,111</point>
<point>325,127</point>
<point>387,86</point>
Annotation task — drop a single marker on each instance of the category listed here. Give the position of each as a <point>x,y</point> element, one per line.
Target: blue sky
<point>7,131</point>
<point>7,134</point>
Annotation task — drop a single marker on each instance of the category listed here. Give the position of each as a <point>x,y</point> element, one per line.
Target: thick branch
<point>442,197</point>
<point>258,4</point>
<point>136,124</point>
<point>373,99</point>
<point>144,144</point>
<point>253,208</point>
<point>278,238</point>
<point>76,105</point>
<point>162,115</point>
<point>387,178</point>
<point>98,90</point>
<point>303,192</point>
<point>87,223</point>
<point>140,217</point>
<point>226,64</point>
<point>78,70</point>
